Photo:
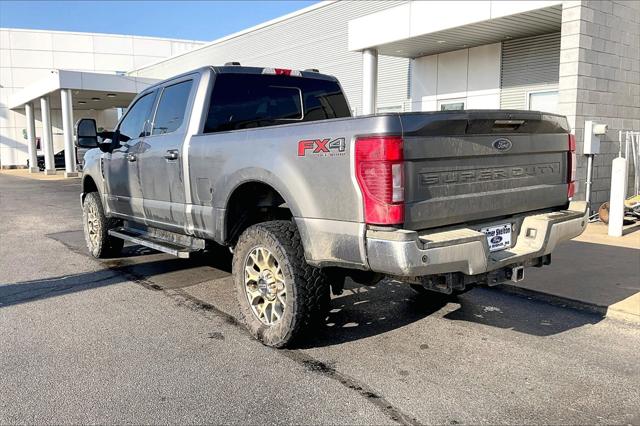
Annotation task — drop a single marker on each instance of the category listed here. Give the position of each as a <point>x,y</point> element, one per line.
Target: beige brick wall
<point>600,78</point>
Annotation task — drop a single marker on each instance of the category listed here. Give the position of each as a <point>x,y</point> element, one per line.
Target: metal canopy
<point>68,91</point>
<point>90,90</point>
<point>94,99</point>
<point>536,22</point>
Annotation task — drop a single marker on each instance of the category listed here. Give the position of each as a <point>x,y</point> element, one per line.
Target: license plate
<point>498,237</point>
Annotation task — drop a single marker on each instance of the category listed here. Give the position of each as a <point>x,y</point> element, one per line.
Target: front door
<point>160,161</point>
<point>124,195</point>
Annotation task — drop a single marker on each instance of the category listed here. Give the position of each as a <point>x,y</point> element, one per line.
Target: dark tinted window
<point>243,101</point>
<point>172,107</point>
<point>132,125</point>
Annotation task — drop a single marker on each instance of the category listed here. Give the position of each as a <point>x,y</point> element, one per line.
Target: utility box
<point>592,133</point>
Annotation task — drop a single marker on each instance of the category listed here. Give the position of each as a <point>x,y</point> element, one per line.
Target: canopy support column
<point>67,130</point>
<point>369,80</point>
<point>47,137</point>
<point>31,138</point>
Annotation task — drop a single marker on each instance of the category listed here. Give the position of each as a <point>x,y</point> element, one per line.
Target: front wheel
<point>279,294</point>
<point>96,228</point>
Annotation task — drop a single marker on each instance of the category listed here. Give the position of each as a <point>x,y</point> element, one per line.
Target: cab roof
<point>238,69</point>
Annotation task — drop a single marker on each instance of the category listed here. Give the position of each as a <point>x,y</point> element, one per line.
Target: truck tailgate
<point>475,165</point>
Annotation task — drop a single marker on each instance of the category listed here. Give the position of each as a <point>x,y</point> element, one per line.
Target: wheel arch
<point>252,201</point>
<point>89,185</point>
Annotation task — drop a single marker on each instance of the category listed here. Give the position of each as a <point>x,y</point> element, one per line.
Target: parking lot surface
<point>147,338</point>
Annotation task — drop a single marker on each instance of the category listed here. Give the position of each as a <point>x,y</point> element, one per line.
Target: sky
<point>192,20</point>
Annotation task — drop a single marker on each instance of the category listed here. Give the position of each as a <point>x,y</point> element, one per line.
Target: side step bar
<point>155,243</point>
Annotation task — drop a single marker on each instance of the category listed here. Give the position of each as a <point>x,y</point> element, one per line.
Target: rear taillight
<point>380,174</point>
<point>571,167</point>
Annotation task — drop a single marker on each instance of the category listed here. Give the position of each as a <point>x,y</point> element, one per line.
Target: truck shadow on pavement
<point>498,309</point>
<point>142,265</point>
<point>145,267</point>
<point>31,291</point>
<point>363,312</point>
<point>358,313</point>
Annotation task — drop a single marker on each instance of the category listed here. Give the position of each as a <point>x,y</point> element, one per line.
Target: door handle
<point>171,154</point>
<point>131,157</point>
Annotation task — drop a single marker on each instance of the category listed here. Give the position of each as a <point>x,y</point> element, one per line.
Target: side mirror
<point>86,133</point>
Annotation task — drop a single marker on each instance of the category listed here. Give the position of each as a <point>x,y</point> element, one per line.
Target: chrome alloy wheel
<point>264,285</point>
<point>93,224</point>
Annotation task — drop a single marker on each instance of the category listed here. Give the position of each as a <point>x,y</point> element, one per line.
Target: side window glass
<point>132,126</point>
<point>243,101</point>
<point>172,108</point>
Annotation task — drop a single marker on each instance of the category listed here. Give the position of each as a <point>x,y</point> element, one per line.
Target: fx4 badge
<point>322,147</point>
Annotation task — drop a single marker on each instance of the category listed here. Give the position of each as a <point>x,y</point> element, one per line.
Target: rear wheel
<point>96,228</point>
<point>279,294</point>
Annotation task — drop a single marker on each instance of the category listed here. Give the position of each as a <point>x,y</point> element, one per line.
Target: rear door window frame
<point>188,107</point>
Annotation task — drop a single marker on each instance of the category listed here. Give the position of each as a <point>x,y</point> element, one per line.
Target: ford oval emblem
<point>502,144</point>
<point>496,239</point>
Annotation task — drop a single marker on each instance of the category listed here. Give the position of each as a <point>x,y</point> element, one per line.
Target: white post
<point>587,194</point>
<point>369,80</point>
<point>67,130</point>
<point>47,137</point>
<point>634,160</point>
<point>31,138</point>
<point>619,170</point>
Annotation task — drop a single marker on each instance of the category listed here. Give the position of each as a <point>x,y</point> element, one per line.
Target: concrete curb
<point>605,311</point>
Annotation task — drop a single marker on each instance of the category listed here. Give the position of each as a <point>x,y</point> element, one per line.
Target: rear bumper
<point>465,250</point>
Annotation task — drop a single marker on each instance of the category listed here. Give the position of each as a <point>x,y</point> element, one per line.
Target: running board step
<point>154,243</point>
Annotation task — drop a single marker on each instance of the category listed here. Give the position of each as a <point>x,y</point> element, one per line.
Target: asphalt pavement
<point>147,338</point>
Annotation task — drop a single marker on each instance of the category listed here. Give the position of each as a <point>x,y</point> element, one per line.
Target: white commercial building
<point>66,71</point>
<point>577,58</point>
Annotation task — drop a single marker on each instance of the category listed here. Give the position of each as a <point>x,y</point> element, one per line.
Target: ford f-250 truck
<point>270,163</point>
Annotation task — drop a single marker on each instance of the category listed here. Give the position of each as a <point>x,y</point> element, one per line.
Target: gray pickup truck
<point>270,163</point>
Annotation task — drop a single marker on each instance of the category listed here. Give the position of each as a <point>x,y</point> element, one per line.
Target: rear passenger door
<point>160,161</point>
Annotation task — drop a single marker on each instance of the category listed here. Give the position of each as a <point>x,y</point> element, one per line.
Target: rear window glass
<point>244,101</point>
<point>172,108</point>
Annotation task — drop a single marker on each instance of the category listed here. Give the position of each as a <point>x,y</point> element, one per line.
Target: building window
<point>451,105</point>
<point>546,101</point>
<point>389,108</point>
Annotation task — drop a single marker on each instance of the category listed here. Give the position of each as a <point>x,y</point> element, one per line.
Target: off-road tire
<point>307,287</point>
<point>104,245</point>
